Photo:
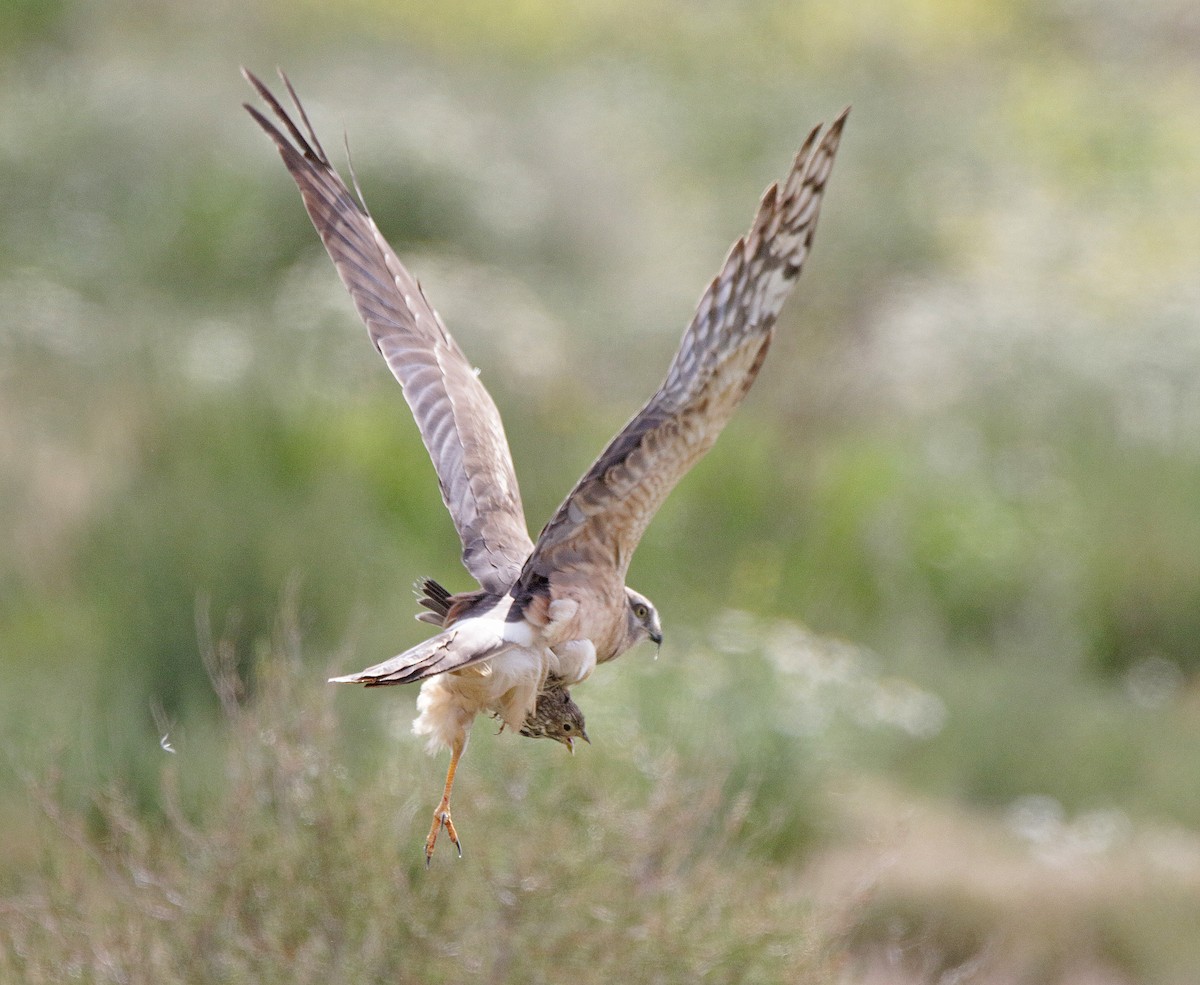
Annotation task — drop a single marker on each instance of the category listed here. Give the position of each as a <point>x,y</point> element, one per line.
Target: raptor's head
<point>641,620</point>
<point>556,717</point>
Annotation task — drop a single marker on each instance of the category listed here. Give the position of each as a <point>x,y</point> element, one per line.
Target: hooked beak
<point>656,639</point>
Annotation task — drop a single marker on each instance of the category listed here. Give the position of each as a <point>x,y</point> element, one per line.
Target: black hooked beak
<point>656,639</point>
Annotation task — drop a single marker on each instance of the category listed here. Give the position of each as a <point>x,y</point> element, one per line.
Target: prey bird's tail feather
<point>465,643</point>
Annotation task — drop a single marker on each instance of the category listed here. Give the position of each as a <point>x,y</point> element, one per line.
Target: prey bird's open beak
<point>569,741</point>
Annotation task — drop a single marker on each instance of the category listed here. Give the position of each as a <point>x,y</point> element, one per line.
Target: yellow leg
<point>441,817</point>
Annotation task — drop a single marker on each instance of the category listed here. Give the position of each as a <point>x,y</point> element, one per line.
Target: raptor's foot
<point>441,819</point>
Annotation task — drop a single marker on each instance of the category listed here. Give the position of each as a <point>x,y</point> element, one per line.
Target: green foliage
<point>23,22</point>
<point>307,866</point>
<point>971,456</point>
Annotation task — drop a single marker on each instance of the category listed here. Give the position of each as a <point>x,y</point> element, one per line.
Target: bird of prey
<point>550,610</point>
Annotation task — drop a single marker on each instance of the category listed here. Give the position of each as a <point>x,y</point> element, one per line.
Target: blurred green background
<point>927,710</point>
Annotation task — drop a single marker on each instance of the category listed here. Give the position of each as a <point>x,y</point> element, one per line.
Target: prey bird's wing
<point>603,518</point>
<point>456,416</point>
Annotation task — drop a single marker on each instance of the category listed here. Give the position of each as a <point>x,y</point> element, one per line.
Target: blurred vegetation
<point>928,702</point>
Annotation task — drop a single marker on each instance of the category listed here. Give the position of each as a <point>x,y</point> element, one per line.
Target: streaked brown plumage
<point>556,716</point>
<point>554,609</point>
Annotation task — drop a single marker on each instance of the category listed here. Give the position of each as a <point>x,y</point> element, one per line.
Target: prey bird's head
<point>556,717</point>
<point>641,620</point>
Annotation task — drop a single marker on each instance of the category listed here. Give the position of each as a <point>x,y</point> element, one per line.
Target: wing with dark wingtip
<point>456,416</point>
<point>600,523</point>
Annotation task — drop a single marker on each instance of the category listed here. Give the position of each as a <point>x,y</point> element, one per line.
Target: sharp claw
<point>570,745</point>
<point>441,819</point>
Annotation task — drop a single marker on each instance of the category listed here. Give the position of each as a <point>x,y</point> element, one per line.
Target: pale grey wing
<point>453,649</point>
<point>456,416</point>
<point>602,520</point>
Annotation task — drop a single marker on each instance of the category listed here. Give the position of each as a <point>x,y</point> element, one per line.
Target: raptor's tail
<point>435,598</point>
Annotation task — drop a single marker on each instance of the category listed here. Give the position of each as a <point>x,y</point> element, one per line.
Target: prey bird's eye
<point>566,726</point>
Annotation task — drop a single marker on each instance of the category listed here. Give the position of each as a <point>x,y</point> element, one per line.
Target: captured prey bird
<point>555,716</point>
<point>546,612</point>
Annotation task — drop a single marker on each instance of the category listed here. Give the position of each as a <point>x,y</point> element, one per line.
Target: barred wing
<point>602,520</point>
<point>456,416</point>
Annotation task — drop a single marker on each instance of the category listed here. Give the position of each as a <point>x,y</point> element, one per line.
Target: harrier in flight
<point>546,612</point>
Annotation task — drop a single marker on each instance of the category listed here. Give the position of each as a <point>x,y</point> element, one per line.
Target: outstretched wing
<point>457,418</point>
<point>602,520</point>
